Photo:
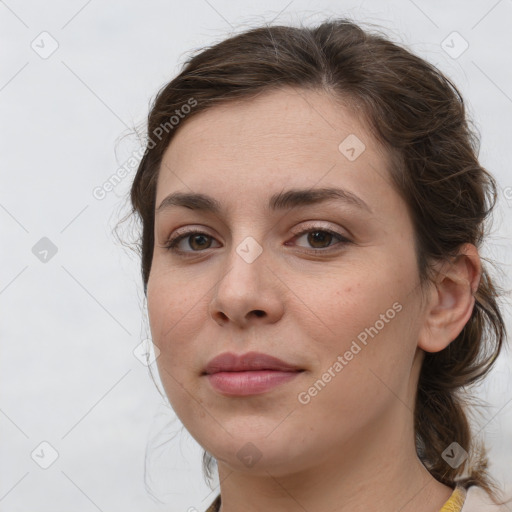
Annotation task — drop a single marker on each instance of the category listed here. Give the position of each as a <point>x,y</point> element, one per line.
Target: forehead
<point>278,139</point>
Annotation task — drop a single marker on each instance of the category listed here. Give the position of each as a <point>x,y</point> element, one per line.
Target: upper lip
<point>251,361</point>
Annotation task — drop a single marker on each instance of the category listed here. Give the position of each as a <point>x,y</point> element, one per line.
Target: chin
<point>280,456</point>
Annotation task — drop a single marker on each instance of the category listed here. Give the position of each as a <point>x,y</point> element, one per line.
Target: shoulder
<point>477,500</point>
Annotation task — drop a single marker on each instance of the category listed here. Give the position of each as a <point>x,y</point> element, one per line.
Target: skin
<point>352,446</point>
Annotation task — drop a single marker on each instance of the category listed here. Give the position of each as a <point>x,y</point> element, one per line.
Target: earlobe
<point>451,300</point>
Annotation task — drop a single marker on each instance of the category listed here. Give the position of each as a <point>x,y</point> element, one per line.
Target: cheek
<point>176,313</point>
<point>168,314</point>
<point>346,308</point>
<point>366,332</point>
<point>371,378</point>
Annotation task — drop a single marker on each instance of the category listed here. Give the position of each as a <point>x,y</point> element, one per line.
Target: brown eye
<point>320,239</point>
<point>197,241</point>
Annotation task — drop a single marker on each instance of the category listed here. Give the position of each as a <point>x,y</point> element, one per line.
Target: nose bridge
<point>245,286</point>
<point>245,267</point>
<point>248,240</point>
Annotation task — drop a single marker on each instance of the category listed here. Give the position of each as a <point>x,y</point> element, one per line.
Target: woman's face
<point>330,286</point>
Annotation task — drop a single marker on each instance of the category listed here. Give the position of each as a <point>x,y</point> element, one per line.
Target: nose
<point>248,292</point>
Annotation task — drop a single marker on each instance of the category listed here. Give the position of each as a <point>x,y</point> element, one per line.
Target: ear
<point>451,299</point>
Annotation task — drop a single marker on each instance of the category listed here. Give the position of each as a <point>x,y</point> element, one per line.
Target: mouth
<point>251,361</point>
<point>249,374</point>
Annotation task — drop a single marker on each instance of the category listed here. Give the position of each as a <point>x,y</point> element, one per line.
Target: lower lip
<point>249,383</point>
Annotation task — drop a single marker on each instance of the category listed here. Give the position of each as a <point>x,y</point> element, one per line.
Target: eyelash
<point>173,242</point>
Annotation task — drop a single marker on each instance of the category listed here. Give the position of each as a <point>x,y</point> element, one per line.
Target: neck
<point>376,470</point>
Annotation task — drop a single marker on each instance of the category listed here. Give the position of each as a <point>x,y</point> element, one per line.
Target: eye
<point>319,238</point>
<point>197,241</point>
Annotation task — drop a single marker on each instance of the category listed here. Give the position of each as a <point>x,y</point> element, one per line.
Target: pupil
<point>318,236</point>
<point>194,239</point>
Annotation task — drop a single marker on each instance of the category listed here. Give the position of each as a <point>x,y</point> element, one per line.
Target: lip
<point>251,361</point>
<point>248,374</point>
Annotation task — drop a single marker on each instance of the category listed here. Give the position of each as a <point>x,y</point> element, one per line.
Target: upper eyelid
<point>313,224</point>
<point>309,224</point>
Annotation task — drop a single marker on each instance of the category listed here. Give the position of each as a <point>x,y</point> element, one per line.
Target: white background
<point>69,326</point>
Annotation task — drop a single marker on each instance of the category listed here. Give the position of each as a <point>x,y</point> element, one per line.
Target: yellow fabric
<point>454,503</point>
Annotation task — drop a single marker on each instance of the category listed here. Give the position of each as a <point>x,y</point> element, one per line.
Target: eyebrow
<point>280,201</point>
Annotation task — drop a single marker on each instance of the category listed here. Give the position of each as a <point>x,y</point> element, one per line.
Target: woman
<point>312,208</point>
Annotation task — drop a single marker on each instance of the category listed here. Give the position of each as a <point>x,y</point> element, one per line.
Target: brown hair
<point>419,116</point>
